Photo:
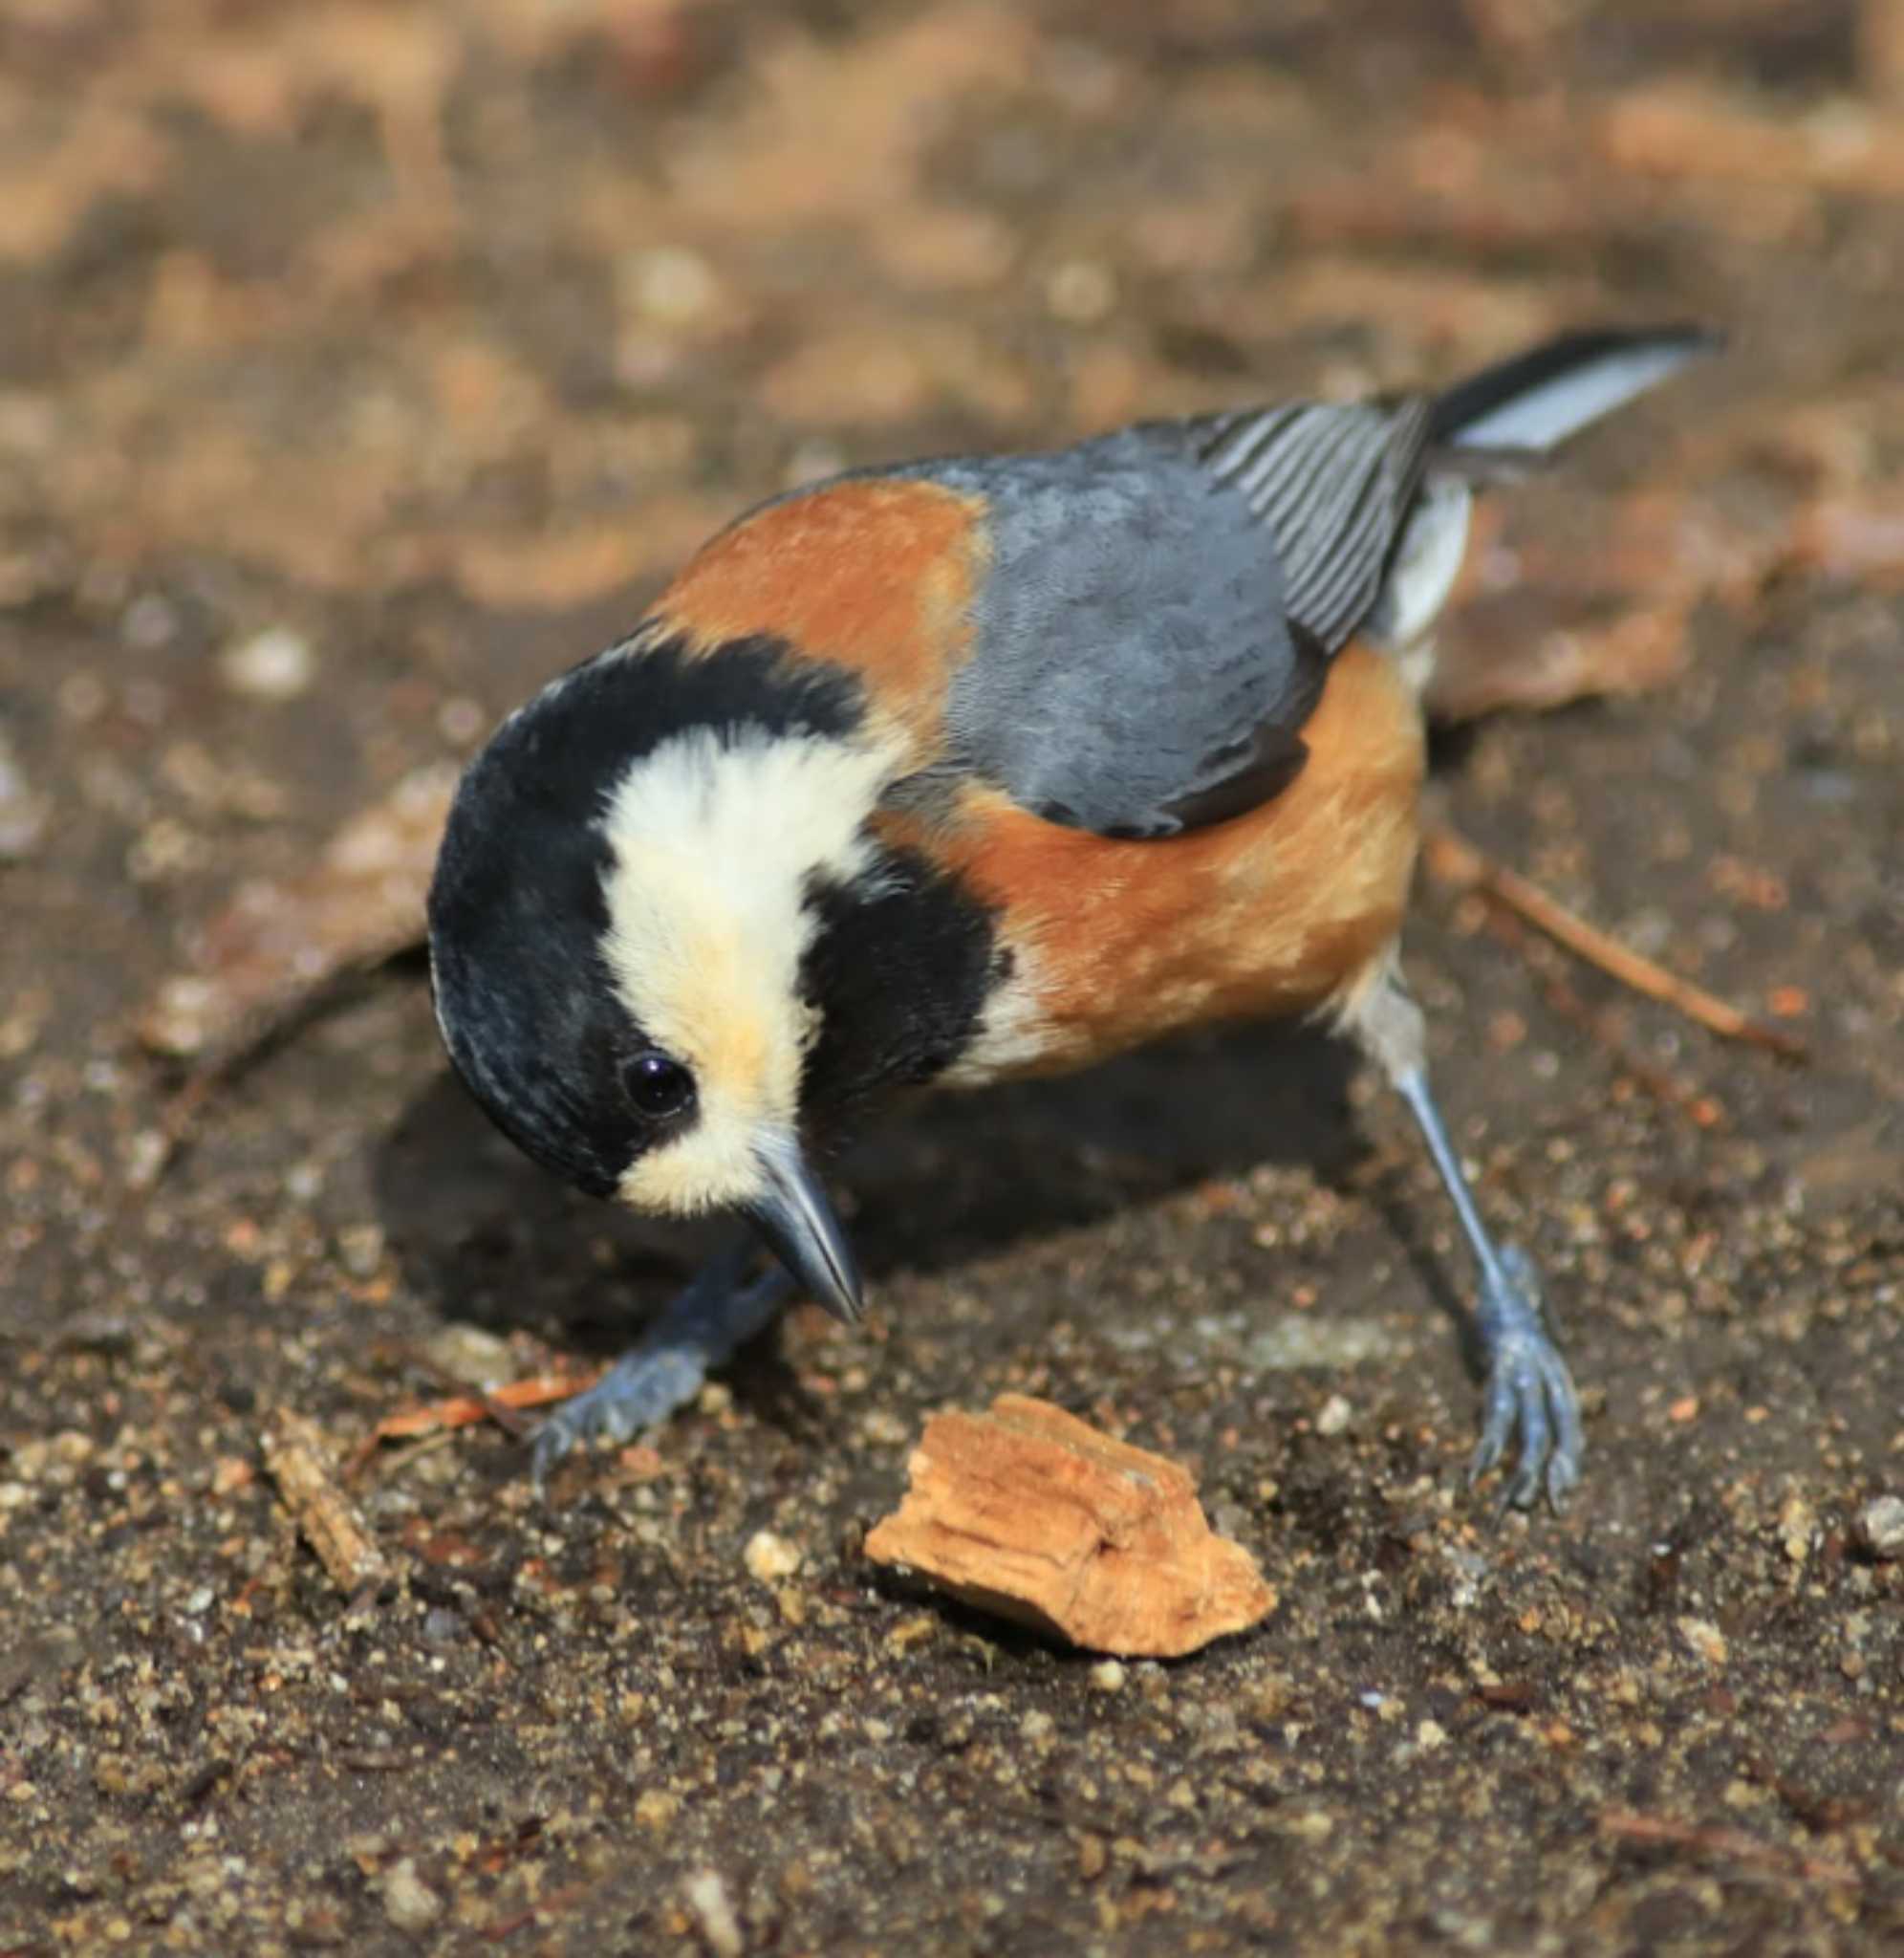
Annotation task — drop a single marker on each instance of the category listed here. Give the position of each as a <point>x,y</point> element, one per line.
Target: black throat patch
<point>902,961</point>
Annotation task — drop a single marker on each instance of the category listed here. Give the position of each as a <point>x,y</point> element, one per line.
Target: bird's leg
<point>1529,1389</point>
<point>719,1312</point>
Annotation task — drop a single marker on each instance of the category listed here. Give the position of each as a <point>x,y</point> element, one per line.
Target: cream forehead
<point>712,838</point>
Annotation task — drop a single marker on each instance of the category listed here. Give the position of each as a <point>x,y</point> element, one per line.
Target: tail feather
<point>1537,400</point>
<point>1503,422</point>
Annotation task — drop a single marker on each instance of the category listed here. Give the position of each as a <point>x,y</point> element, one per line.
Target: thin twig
<point>1607,1024</point>
<point>1733,1844</point>
<point>1456,861</point>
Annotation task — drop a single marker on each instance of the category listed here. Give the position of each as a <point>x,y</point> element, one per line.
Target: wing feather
<point>1331,483</point>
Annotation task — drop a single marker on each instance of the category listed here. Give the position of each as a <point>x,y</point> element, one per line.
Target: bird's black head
<point>532,1007</point>
<point>666,945</point>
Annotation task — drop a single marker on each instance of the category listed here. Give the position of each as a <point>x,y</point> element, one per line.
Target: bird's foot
<point>643,1386</point>
<point>1529,1392</point>
<point>700,1331</point>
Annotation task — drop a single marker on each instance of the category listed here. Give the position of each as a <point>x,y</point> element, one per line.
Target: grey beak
<point>798,1226</point>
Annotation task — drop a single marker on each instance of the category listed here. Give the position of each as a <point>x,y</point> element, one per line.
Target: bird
<point>941,773</point>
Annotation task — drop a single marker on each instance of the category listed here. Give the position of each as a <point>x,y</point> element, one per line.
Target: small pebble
<point>180,1020</point>
<point>470,1355</point>
<point>1880,1525</point>
<point>1798,1527</point>
<point>275,664</point>
<point>408,1902</point>
<point>83,697</point>
<point>714,1911</point>
<point>23,815</point>
<point>361,1251</point>
<point>668,285</point>
<point>1109,1676</point>
<point>770,1557</point>
<point>150,622</point>
<point>460,720</point>
<point>303,1182</point>
<point>1081,291</point>
<point>1335,1415</point>
<point>145,1154</point>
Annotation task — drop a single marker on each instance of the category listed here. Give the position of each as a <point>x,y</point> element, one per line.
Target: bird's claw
<point>1529,1394</point>
<point>641,1388</point>
<point>702,1329</point>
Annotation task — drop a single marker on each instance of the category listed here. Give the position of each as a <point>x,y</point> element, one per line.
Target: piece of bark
<point>1031,1514</point>
<point>277,946</point>
<point>301,1465</point>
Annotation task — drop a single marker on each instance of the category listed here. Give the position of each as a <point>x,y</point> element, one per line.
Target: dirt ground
<point>362,364</point>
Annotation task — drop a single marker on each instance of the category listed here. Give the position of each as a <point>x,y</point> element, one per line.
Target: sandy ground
<point>360,365</point>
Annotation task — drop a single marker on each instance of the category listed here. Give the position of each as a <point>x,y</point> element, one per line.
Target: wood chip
<point>300,1463</point>
<point>1033,1515</point>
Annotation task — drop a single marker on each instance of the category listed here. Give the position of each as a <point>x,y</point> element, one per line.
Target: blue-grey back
<point>1133,658</point>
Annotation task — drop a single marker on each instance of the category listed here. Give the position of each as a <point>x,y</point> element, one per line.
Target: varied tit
<point>937,775</point>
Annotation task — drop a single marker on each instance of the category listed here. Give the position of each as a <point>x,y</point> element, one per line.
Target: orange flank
<point>877,574</point>
<point>1280,911</point>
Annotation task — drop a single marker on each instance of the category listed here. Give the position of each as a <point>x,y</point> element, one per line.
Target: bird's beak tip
<point>801,1228</point>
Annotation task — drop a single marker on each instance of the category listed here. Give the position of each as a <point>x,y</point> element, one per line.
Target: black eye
<point>658,1086</point>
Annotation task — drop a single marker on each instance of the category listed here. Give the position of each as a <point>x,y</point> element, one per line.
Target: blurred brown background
<point>362,364</point>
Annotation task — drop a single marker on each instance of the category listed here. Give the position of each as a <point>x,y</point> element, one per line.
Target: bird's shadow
<point>483,1235</point>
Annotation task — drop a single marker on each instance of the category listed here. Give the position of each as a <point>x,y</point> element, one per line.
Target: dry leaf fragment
<point>1494,657</point>
<point>1690,130</point>
<point>1031,1514</point>
<point>464,1410</point>
<point>1852,536</point>
<point>276,945</point>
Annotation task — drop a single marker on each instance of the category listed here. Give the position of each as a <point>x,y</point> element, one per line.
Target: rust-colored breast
<point>1278,913</point>
<point>877,574</point>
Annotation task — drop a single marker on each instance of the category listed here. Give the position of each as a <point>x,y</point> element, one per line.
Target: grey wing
<point>1134,670</point>
<point>1162,606</point>
<point>1332,485</point>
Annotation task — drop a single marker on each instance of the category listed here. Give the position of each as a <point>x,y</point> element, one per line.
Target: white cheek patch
<point>714,838</point>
